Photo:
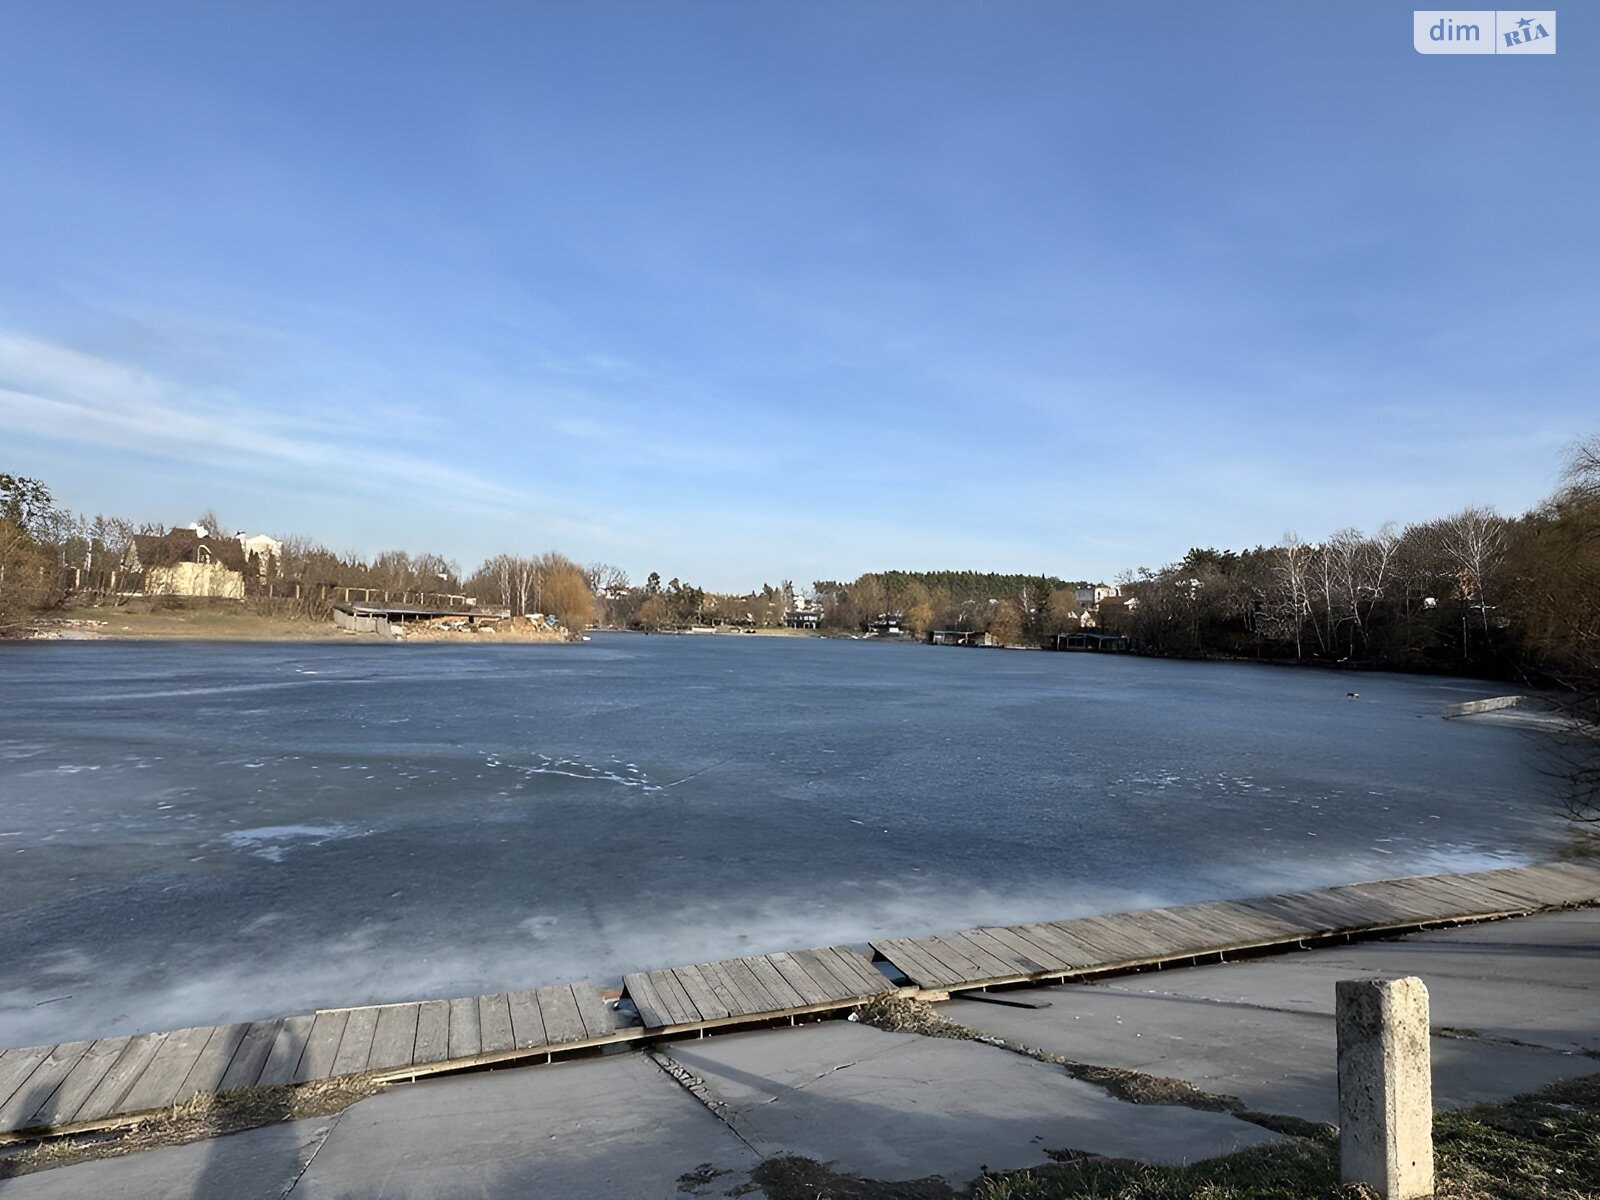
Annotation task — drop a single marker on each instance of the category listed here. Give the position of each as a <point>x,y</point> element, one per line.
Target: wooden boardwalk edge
<point>942,964</point>
<point>105,1083</point>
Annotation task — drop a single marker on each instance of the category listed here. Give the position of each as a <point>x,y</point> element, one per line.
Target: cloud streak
<point>51,391</point>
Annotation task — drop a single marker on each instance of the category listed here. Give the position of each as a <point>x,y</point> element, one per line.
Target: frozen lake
<point>199,832</point>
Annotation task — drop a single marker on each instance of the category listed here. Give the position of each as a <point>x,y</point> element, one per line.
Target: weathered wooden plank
<point>494,1023</point>
<point>1292,910</point>
<point>598,1019</point>
<point>1200,927</point>
<point>34,1093</point>
<point>1482,898</point>
<point>208,1070</point>
<point>1094,945</point>
<point>62,1106</point>
<point>1383,902</point>
<point>1001,951</point>
<point>159,1082</point>
<point>921,967</point>
<point>1553,883</point>
<point>1181,934</point>
<point>433,1032</point>
<point>825,970</point>
<point>1045,961</point>
<point>322,1046</point>
<point>1123,929</point>
<point>729,990</point>
<point>559,1008</point>
<point>680,1008</point>
<point>1440,899</point>
<point>1573,881</point>
<point>16,1065</point>
<point>394,1040</point>
<point>1070,952</point>
<point>288,1044</point>
<point>355,1044</point>
<point>1104,943</point>
<point>799,978</point>
<point>772,979</point>
<point>527,1026</point>
<point>739,971</point>
<point>251,1057</point>
<point>1252,924</point>
<point>700,994</point>
<point>962,966</point>
<point>466,1037</point>
<point>1530,890</point>
<point>1333,909</point>
<point>727,995</point>
<point>869,981</point>
<point>992,965</point>
<point>641,989</point>
<point>1076,939</point>
<point>106,1098</point>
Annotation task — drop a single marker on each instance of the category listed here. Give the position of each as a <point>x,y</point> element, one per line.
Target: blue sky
<point>748,291</point>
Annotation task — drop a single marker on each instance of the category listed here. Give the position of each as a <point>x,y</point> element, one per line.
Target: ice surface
<point>198,833</point>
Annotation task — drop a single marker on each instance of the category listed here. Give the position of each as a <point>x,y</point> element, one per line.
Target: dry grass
<point>203,1116</point>
<point>1543,1146</point>
<point>207,622</point>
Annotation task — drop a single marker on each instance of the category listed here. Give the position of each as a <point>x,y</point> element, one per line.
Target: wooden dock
<point>737,990</point>
<point>1061,950</point>
<point>109,1081</point>
<point>92,1084</point>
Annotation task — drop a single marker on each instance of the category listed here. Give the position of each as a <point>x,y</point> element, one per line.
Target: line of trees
<point>550,584</point>
<point>48,554</point>
<point>1474,592</point>
<point>1010,608</point>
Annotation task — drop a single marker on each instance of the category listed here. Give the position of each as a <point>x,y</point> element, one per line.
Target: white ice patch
<point>272,842</point>
<point>626,774</point>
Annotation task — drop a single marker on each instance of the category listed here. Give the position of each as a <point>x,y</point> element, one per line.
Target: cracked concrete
<point>257,1164</point>
<point>898,1106</point>
<point>1263,1030</point>
<point>612,1126</point>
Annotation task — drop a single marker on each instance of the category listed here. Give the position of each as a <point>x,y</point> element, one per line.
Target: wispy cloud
<point>51,391</point>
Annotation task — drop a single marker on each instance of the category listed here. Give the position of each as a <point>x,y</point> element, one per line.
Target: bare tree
<point>1474,539</point>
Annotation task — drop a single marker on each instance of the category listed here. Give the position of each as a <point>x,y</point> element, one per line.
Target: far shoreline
<point>214,623</point>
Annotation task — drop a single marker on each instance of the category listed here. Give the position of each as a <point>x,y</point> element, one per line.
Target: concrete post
<point>1385,1086</point>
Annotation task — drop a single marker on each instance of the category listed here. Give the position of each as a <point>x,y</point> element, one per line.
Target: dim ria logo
<point>1484,31</point>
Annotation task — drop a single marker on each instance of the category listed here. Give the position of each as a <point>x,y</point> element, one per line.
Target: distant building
<point>262,546</point>
<point>1088,597</point>
<point>802,618</point>
<point>959,637</point>
<point>886,623</point>
<point>1102,643</point>
<point>196,561</point>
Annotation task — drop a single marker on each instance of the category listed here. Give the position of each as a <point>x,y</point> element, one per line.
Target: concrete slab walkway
<point>258,1164</point>
<point>898,1106</point>
<point>1516,1001</point>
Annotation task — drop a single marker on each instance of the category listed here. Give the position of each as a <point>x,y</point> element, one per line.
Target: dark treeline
<point>1012,608</point>
<point>1474,592</point>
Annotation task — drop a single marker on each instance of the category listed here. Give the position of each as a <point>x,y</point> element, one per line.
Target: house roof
<point>184,545</point>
